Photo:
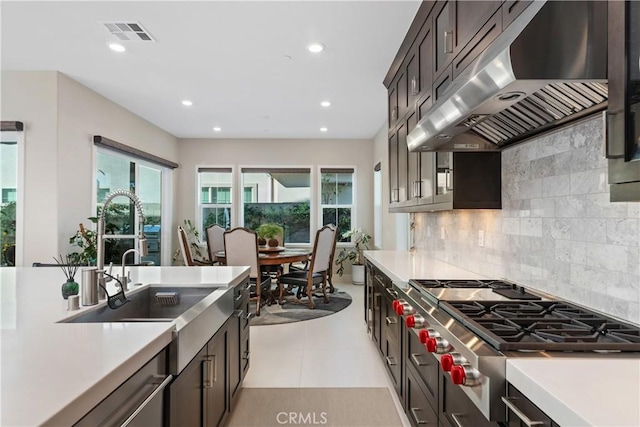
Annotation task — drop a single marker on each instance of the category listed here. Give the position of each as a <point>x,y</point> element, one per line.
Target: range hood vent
<point>547,68</point>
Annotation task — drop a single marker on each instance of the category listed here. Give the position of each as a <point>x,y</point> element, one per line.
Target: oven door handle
<point>513,408</point>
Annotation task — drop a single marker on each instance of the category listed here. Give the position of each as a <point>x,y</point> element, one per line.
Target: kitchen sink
<point>195,314</point>
<point>152,304</point>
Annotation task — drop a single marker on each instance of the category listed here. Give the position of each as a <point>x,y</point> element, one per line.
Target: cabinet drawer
<point>391,321</point>
<point>392,361</point>
<point>419,412</point>
<point>457,409</point>
<point>424,364</point>
<point>519,408</point>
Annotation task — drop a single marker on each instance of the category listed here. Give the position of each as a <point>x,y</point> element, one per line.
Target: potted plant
<point>360,240</point>
<point>268,232</point>
<point>193,236</point>
<point>69,266</point>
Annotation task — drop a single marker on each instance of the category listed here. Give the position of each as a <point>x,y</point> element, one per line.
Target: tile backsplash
<point>556,232</point>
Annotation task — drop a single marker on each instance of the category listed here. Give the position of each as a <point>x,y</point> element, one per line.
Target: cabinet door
<point>215,380</point>
<point>403,153</point>
<point>425,58</point>
<point>443,81</point>
<point>478,43</point>
<point>443,19</point>
<point>412,79</point>
<point>401,89</point>
<point>469,17</point>
<point>392,94</point>
<point>413,162</point>
<point>186,394</point>
<point>444,177</point>
<point>511,9</point>
<point>393,169</point>
<point>235,365</point>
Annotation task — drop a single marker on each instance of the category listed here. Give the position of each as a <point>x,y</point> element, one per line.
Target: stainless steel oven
<point>623,113</point>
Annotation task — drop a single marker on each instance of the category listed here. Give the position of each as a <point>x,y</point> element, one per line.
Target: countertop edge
<point>83,404</point>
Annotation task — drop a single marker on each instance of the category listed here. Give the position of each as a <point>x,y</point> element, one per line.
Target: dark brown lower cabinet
<point>418,409</point>
<point>204,393</point>
<point>456,409</point>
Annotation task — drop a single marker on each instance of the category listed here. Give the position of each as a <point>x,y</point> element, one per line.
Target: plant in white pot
<point>360,240</point>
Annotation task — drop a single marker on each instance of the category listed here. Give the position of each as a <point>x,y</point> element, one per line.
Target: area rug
<point>370,407</point>
<point>298,311</point>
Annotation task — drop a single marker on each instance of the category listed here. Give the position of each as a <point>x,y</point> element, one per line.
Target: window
<point>216,198</point>
<point>336,198</point>
<point>117,171</point>
<point>10,146</point>
<point>281,196</point>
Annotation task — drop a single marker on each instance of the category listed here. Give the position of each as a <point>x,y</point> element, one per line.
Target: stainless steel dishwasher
<point>138,402</point>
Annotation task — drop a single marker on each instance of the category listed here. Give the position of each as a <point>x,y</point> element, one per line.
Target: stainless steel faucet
<point>142,241</point>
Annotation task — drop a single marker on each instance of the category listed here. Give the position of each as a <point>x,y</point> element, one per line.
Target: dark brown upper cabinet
<point>511,9</point>
<point>455,23</point>
<point>424,46</point>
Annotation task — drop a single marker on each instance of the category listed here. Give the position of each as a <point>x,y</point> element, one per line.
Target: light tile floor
<point>333,351</point>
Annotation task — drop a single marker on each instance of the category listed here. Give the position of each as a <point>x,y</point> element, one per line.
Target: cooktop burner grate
<point>489,284</point>
<point>543,325</point>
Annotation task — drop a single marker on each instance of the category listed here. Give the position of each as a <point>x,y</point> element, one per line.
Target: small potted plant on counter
<point>360,240</point>
<point>69,265</point>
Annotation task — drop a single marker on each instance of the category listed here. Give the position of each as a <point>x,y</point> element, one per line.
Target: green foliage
<point>360,240</point>
<point>269,230</point>
<point>8,236</point>
<point>86,241</point>
<point>193,236</point>
<point>295,217</point>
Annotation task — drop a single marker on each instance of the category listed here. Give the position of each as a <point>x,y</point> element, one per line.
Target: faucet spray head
<point>143,248</point>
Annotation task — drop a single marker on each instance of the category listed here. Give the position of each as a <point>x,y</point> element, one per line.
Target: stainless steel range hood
<point>547,68</point>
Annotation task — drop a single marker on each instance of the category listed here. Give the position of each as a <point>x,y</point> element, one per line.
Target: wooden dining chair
<point>319,267</point>
<point>185,248</point>
<point>241,248</point>
<point>305,266</point>
<point>215,241</point>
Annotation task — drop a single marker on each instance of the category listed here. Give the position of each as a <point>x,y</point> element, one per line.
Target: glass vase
<point>70,287</point>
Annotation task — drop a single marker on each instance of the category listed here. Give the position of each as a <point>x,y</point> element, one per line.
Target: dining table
<point>275,255</point>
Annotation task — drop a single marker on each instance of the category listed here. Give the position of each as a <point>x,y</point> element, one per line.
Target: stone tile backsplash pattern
<point>557,231</point>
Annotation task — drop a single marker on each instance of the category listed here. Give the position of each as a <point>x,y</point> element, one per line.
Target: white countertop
<point>54,373</point>
<point>401,266</point>
<point>590,391</point>
<point>603,392</point>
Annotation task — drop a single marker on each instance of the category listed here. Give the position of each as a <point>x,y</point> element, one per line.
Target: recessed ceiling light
<point>187,103</point>
<point>315,47</point>
<point>116,47</point>
<point>325,103</point>
<point>217,129</point>
<point>323,129</point>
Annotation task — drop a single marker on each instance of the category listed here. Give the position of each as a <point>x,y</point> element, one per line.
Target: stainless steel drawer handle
<point>414,412</point>
<point>391,361</point>
<point>249,316</point>
<point>456,419</point>
<point>392,293</point>
<point>414,357</point>
<point>155,392</point>
<point>376,301</point>
<point>246,355</point>
<point>238,313</point>
<point>414,85</point>
<point>513,408</point>
<point>391,321</point>
<point>448,41</point>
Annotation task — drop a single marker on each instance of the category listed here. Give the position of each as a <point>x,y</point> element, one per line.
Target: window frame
<point>19,137</point>
<point>166,197</point>
<point>354,213</point>
<point>200,206</point>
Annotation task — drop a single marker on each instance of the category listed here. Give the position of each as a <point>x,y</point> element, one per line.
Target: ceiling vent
<point>128,32</point>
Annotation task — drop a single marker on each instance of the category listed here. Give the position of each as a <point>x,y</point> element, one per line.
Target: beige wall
<point>61,116</point>
<point>31,97</point>
<point>272,152</point>
<point>394,225</point>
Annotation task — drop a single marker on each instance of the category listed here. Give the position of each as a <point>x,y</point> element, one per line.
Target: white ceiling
<point>229,58</point>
